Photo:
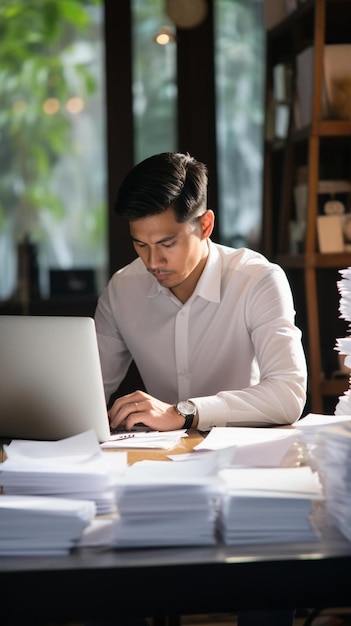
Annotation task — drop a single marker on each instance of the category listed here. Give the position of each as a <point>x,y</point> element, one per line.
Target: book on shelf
<point>282,82</point>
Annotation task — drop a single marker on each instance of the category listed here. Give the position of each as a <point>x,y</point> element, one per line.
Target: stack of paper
<point>70,468</point>
<point>333,459</point>
<point>268,505</point>
<point>42,525</point>
<point>169,504</point>
<point>312,424</point>
<point>343,344</point>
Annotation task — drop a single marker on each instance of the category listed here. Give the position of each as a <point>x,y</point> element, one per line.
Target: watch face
<point>186,407</point>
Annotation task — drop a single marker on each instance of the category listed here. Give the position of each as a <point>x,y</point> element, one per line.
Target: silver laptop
<point>50,378</point>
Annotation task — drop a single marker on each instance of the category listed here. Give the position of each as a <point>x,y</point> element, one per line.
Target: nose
<point>155,258</point>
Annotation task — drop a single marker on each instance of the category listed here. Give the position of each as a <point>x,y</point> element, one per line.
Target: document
<point>280,482</point>
<point>193,466</point>
<point>332,455</point>
<point>74,467</point>
<point>268,505</point>
<point>42,525</point>
<point>254,447</point>
<point>73,449</point>
<point>312,424</point>
<point>169,504</point>
<point>150,439</point>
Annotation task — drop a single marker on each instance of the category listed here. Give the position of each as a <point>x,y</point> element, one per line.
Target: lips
<point>160,275</point>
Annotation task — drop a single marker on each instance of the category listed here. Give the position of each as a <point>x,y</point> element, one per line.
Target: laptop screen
<point>51,383</point>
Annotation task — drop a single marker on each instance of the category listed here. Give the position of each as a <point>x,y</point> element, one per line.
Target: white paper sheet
<point>89,474</point>
<point>37,525</point>
<point>194,466</point>
<point>281,481</point>
<point>310,426</point>
<point>169,504</point>
<point>255,447</point>
<point>151,439</point>
<point>260,505</point>
<point>70,450</point>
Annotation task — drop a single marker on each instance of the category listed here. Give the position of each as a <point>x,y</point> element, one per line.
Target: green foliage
<point>36,39</point>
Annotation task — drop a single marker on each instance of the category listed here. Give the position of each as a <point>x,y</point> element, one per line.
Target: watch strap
<point>188,421</point>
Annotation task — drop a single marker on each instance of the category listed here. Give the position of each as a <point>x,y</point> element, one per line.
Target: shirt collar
<point>209,284</point>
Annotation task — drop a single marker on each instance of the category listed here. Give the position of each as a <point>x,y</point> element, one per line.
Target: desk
<point>185,445</point>
<point>174,581</point>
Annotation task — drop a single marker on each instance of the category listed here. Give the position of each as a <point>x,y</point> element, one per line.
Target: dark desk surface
<point>174,581</point>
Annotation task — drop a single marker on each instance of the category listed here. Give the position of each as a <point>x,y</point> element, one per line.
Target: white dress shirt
<point>233,347</point>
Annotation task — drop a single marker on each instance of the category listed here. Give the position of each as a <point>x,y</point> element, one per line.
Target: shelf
<point>315,260</point>
<point>331,128</point>
<point>318,154</point>
<point>334,186</point>
<point>284,28</point>
<point>302,20</point>
<point>322,129</point>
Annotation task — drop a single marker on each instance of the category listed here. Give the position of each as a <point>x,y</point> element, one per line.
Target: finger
<point>115,422</point>
<point>120,416</point>
<point>123,400</point>
<point>142,419</point>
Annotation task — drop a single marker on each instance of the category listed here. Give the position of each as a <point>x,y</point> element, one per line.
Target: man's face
<point>175,253</point>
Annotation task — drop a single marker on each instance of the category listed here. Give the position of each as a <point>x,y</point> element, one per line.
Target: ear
<point>207,224</point>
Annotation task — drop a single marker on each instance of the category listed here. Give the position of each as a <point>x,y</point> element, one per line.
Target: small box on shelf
<point>336,93</point>
<point>337,78</point>
<point>330,233</point>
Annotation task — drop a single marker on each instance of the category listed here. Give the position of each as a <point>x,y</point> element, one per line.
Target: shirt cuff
<point>212,411</point>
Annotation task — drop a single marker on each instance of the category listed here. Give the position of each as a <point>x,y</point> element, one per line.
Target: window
<point>53,170</point>
<point>239,64</point>
<point>154,81</point>
<point>52,142</point>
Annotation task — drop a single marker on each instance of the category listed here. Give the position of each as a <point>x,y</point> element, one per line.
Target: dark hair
<point>167,180</point>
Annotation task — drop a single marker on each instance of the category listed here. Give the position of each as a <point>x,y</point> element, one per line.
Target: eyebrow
<point>163,240</point>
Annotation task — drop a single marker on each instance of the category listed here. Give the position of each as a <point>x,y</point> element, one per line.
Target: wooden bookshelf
<point>322,149</point>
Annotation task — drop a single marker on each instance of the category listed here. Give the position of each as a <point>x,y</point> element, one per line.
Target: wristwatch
<point>187,409</point>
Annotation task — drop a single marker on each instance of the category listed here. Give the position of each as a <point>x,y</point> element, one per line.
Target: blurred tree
<point>37,73</point>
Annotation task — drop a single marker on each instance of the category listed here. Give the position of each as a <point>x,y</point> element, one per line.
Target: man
<point>210,328</point>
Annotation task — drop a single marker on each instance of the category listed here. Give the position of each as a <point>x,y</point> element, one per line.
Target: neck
<point>185,290</point>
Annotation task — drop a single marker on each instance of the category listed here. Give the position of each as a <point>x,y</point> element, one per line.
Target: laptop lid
<point>51,383</point>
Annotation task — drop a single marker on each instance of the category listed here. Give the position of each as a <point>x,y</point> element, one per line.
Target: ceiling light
<point>164,36</point>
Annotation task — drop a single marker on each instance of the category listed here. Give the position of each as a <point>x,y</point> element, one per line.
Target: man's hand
<point>141,407</point>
